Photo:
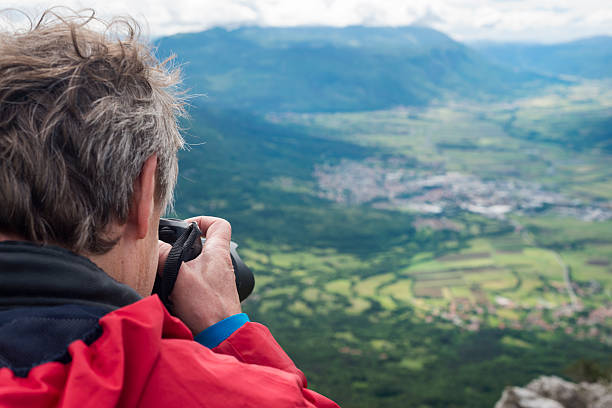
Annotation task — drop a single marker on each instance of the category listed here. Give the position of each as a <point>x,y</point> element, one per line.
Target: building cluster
<point>392,186</point>
<point>397,185</point>
<point>576,321</point>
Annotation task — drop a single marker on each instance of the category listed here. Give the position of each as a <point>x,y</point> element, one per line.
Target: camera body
<point>171,230</point>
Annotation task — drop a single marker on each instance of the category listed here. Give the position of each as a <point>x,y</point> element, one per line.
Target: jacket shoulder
<point>147,358</point>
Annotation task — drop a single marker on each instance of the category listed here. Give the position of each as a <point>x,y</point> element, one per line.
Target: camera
<point>185,237</point>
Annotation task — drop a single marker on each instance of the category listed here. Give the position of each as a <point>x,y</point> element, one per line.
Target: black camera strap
<point>173,263</point>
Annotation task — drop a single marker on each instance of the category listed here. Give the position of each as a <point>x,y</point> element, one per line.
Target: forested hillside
<point>323,69</point>
<point>587,58</point>
<point>423,243</point>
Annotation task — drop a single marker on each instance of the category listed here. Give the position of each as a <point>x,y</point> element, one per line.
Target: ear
<point>143,200</point>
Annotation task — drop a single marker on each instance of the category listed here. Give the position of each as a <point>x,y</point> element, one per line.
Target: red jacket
<point>147,358</point>
<point>72,337</point>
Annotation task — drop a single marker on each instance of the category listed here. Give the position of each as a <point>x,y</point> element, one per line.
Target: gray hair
<point>81,110</point>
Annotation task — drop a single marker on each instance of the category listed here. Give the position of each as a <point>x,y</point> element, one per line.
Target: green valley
<point>425,227</point>
<point>371,285</point>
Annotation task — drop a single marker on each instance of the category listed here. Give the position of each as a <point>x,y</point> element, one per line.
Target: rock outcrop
<point>554,392</point>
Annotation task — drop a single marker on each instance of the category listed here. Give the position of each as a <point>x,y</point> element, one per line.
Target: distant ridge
<point>319,69</point>
<point>588,58</point>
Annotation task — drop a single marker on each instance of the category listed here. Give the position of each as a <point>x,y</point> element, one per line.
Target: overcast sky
<point>464,20</point>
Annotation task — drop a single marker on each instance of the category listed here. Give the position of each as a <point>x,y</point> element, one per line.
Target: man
<point>88,142</point>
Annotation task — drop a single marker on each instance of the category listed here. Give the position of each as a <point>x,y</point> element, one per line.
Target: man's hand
<point>205,290</point>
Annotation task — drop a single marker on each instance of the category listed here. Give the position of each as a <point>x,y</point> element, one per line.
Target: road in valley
<point>568,282</point>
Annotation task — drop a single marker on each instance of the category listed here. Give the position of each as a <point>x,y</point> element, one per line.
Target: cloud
<point>517,20</point>
<point>428,19</point>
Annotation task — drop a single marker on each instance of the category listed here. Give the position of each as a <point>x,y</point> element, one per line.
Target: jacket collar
<point>36,275</point>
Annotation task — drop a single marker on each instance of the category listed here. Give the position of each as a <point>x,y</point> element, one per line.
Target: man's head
<point>81,112</point>
<point>88,142</point>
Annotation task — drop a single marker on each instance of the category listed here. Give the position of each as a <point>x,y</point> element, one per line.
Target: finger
<point>164,251</point>
<point>218,232</point>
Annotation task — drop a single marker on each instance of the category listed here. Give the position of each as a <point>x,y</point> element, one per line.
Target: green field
<point>523,140</point>
<point>382,304</point>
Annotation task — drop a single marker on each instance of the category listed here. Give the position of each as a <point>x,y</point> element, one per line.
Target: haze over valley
<point>428,221</point>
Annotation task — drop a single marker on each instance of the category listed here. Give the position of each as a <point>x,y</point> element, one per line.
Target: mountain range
<point>326,69</point>
<point>588,58</point>
<point>348,288</point>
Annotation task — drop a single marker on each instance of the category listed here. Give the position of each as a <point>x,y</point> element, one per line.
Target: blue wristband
<point>218,332</point>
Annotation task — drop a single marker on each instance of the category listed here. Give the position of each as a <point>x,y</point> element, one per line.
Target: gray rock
<point>516,397</point>
<point>554,392</point>
<point>555,388</point>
